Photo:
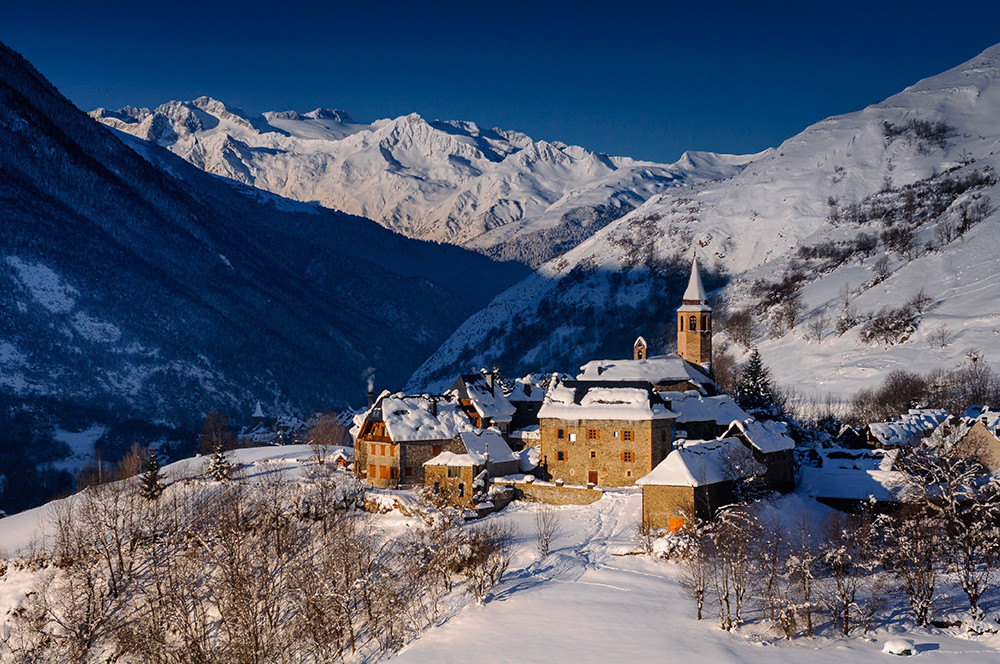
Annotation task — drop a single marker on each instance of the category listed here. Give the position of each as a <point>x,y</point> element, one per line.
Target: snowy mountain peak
<point>495,190</point>
<point>863,244</point>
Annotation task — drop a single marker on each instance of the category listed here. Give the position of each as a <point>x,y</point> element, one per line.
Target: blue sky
<point>647,80</point>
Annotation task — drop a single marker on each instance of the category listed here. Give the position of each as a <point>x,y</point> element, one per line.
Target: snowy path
<point>584,604</point>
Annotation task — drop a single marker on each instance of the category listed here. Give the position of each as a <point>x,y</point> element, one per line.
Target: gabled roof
<point>691,406</point>
<point>418,418</point>
<point>476,445</point>
<point>530,388</point>
<point>489,401</point>
<point>766,437</point>
<point>909,429</point>
<point>703,463</point>
<point>658,370</point>
<point>599,400</point>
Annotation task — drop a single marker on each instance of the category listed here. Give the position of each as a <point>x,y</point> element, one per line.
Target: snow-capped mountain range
<point>135,286</point>
<point>913,179</point>
<point>494,190</point>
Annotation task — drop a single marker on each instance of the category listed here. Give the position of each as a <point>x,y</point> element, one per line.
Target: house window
<point>560,455</point>
<point>435,450</point>
<point>383,472</point>
<point>592,434</point>
<point>628,456</point>
<point>693,323</point>
<point>393,473</point>
<point>381,450</point>
<point>461,490</point>
<point>572,438</point>
<point>628,435</point>
<point>628,473</point>
<point>408,471</point>
<point>560,433</point>
<point>371,471</point>
<point>392,450</point>
<point>593,454</point>
<point>454,471</point>
<point>373,448</point>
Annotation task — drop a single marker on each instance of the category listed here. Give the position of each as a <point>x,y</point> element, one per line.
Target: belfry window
<point>694,323</point>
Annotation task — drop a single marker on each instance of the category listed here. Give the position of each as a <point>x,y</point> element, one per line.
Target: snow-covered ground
<point>586,602</point>
<point>594,598</point>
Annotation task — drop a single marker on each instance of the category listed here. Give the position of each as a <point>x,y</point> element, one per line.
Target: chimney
<point>434,407</point>
<point>490,376</point>
<point>371,398</point>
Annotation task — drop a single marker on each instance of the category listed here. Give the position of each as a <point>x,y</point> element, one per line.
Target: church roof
<point>258,412</point>
<point>695,290</point>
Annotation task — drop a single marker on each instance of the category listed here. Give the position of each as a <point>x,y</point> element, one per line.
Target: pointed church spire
<point>695,293</point>
<point>259,412</point>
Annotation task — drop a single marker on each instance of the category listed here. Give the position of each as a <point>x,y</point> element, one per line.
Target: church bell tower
<point>694,322</point>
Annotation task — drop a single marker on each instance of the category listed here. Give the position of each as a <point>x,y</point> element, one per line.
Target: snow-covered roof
<point>640,341</point>
<point>695,290</point>
<point>590,400</point>
<point>529,388</point>
<point>532,432</point>
<point>660,369</point>
<point>413,418</point>
<point>703,463</point>
<point>852,475</point>
<point>989,418</point>
<point>691,406</point>
<point>910,428</point>
<point>476,445</point>
<point>488,400</point>
<point>767,437</point>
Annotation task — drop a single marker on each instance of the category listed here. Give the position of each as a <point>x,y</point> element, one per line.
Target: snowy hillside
<point>912,179</point>
<point>496,190</point>
<point>135,287</point>
<point>595,597</point>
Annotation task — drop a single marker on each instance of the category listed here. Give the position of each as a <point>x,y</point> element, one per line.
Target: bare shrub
<point>941,336</point>
<point>889,326</point>
<point>739,325</point>
<point>488,555</point>
<point>817,327</point>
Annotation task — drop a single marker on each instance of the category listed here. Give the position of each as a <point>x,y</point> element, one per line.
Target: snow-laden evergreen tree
<point>151,479</point>
<point>754,391</point>
<point>220,467</point>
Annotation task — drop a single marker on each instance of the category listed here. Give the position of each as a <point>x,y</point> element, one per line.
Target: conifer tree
<point>151,484</point>
<point>754,391</point>
<point>220,467</point>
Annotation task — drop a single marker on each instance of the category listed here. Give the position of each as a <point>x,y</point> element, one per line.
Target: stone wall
<point>650,444</point>
<point>557,495</point>
<point>663,506</point>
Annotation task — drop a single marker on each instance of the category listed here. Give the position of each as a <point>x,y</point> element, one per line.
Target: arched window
<point>704,322</point>
<point>682,323</point>
<point>693,322</point>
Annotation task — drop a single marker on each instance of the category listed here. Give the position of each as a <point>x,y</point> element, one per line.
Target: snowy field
<point>585,602</point>
<point>594,598</point>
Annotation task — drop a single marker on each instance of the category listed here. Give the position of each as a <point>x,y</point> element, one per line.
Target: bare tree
<point>941,336</point>
<point>696,566</point>
<point>546,527</point>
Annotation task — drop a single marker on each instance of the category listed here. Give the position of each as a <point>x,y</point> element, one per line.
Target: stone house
<point>456,473</point>
<point>772,447</point>
<point>526,396</point>
<point>694,482</point>
<point>481,397</point>
<point>703,418</point>
<point>982,438</point>
<point>594,432</point>
<point>394,437</point>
